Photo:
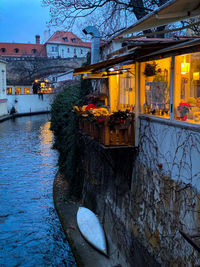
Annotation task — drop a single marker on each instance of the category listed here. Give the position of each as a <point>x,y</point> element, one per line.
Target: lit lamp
<point>185,67</point>
<point>195,76</point>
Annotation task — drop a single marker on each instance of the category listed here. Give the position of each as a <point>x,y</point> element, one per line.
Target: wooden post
<point>106,133</point>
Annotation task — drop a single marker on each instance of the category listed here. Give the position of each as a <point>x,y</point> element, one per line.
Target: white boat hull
<point>91,229</point>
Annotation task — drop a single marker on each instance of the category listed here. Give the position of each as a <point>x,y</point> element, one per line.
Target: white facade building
<point>66,45</point>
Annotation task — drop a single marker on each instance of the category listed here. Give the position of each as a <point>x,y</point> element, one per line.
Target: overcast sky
<point>21,20</point>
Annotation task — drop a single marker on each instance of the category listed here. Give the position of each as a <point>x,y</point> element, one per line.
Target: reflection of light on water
<point>46,135</point>
<point>28,125</point>
<point>46,139</point>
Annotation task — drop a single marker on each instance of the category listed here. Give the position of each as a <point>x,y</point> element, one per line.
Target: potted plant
<point>183,108</point>
<point>118,119</point>
<point>150,69</point>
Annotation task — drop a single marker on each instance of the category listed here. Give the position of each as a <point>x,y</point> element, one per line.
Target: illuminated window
<point>187,88</point>
<point>122,88</point>
<point>155,87</point>
<point>17,90</point>
<point>9,91</point>
<point>26,91</point>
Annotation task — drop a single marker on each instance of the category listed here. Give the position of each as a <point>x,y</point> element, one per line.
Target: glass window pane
<point>155,87</point>
<point>17,91</point>
<point>9,91</point>
<point>26,91</point>
<point>122,88</point>
<point>187,88</point>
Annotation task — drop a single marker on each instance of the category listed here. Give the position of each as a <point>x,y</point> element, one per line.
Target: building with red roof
<point>66,45</point>
<point>16,50</point>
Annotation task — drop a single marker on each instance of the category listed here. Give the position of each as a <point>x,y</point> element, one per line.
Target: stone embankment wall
<point>26,70</point>
<point>144,197</point>
<point>3,107</point>
<point>30,103</point>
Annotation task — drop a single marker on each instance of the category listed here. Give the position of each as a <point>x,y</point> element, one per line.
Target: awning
<point>174,48</point>
<point>172,11</point>
<point>103,64</point>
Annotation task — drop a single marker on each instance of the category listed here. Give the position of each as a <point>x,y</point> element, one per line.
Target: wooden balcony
<point>118,135</point>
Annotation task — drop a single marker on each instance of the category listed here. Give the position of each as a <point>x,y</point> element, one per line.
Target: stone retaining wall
<point>142,206</point>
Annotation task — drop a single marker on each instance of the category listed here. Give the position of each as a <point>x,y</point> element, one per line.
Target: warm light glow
<point>26,91</point>
<point>46,80</point>
<point>196,76</point>
<point>42,85</point>
<point>185,68</point>
<point>36,81</point>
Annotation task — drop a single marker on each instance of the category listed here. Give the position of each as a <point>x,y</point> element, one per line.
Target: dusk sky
<point>21,20</point>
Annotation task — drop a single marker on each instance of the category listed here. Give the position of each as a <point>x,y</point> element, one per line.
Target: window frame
<point>140,87</point>
<point>171,118</point>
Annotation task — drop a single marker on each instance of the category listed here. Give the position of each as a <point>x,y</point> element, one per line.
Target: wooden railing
<point>118,135</point>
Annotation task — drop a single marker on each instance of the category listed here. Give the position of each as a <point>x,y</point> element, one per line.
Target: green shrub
<point>64,125</point>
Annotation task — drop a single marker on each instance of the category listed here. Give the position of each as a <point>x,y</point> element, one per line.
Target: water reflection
<point>30,233</point>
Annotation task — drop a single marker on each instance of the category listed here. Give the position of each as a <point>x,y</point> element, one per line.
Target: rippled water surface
<point>30,231</point>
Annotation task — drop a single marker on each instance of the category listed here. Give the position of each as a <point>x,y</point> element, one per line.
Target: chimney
<point>37,39</point>
<point>95,50</point>
<point>46,35</point>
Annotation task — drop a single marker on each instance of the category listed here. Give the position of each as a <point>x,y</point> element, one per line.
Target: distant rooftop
<point>20,50</point>
<point>67,38</point>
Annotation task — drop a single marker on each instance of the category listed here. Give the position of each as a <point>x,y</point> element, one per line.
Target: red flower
<point>184,104</point>
<point>90,106</point>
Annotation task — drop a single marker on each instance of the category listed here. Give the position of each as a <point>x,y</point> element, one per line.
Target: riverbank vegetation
<point>64,125</point>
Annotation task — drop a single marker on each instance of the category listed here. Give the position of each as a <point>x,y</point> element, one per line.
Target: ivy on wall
<point>64,125</point>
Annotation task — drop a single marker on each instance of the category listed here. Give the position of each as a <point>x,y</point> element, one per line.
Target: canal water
<point>30,231</point>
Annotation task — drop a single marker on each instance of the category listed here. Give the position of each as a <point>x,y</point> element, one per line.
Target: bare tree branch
<point>109,16</point>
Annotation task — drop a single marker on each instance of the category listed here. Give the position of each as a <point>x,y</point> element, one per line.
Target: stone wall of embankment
<point>144,197</point>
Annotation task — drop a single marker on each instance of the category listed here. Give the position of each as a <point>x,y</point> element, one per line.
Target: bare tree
<point>109,16</point>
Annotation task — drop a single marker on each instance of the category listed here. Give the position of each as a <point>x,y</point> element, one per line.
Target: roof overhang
<point>172,11</point>
<point>100,70</point>
<point>103,65</point>
<point>191,46</point>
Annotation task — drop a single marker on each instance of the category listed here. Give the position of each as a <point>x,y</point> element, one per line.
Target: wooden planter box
<point>120,135</point>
